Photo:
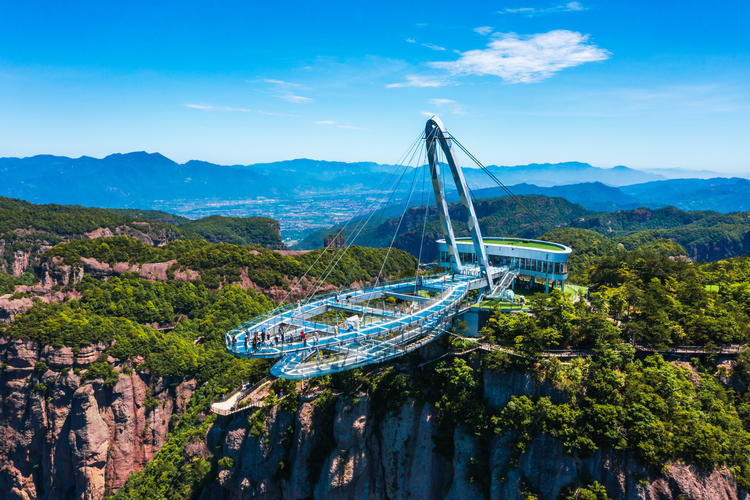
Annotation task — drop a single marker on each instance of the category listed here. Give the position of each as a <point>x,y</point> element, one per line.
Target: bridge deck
<point>385,335</point>
<point>406,297</point>
<point>357,309</point>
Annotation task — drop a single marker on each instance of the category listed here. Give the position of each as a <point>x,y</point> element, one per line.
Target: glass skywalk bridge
<point>373,334</point>
<point>346,329</point>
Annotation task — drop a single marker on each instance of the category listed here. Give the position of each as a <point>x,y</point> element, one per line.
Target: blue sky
<point>644,84</point>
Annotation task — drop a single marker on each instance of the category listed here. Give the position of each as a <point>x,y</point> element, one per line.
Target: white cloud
<point>428,114</point>
<point>574,6</point>
<point>282,83</point>
<point>448,105</point>
<point>337,125</point>
<point>211,107</point>
<point>523,59</point>
<point>432,46</point>
<point>297,99</point>
<point>536,11</point>
<point>418,81</point>
<point>483,30</point>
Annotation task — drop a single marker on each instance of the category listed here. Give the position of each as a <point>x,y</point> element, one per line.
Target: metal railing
<point>315,298</point>
<point>395,323</point>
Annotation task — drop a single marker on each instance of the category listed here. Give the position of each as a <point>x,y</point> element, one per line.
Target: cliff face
<point>395,458</point>
<point>64,438</point>
<point>718,248</point>
<point>54,275</point>
<point>21,249</point>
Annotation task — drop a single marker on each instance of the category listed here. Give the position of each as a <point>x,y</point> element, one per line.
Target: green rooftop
<point>519,243</point>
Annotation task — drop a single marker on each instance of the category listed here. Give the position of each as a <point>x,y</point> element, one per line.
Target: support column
<point>435,132</point>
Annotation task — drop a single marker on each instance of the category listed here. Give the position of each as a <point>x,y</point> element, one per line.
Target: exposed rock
<point>10,308</point>
<point>20,262</point>
<point>64,439</point>
<point>90,353</point>
<point>396,459</point>
<point>102,232</point>
<point>88,439</point>
<point>35,242</point>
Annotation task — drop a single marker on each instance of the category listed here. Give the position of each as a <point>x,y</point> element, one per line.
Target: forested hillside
<point>493,213</point>
<point>237,230</point>
<point>113,323</point>
<point>27,230</point>
<point>705,235</point>
<point>111,351</point>
<point>669,428</point>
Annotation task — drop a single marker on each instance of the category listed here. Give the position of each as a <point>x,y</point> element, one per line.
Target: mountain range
<point>197,188</point>
<point>720,194</point>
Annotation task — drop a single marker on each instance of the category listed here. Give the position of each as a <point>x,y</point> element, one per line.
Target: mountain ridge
<point>196,188</point>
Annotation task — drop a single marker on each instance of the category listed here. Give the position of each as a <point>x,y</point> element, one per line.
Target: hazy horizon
<point>463,164</point>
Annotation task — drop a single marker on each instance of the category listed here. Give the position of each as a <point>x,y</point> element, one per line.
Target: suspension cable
<point>395,233</point>
<point>498,181</point>
<point>340,255</point>
<point>398,226</point>
<point>424,222</point>
<point>354,217</point>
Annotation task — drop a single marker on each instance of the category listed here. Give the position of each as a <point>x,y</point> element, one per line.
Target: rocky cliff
<point>396,458</point>
<point>63,437</point>
<point>21,249</point>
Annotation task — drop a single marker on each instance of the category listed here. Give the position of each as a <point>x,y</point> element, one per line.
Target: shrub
<point>225,463</point>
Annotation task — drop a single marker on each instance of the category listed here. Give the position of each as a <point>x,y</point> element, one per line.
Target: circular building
<point>536,260</point>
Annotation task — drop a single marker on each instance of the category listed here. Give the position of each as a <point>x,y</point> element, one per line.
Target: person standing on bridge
<point>303,338</point>
<point>247,334</point>
<point>316,339</point>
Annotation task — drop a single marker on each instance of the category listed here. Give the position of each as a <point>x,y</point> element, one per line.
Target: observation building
<point>536,260</point>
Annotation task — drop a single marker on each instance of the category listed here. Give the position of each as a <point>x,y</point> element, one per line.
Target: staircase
<point>505,282</point>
